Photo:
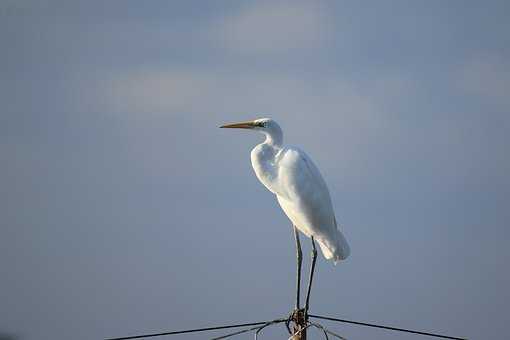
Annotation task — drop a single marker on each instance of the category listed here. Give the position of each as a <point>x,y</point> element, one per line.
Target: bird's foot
<point>298,316</point>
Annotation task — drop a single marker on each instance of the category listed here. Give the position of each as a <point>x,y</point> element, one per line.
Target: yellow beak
<point>241,125</point>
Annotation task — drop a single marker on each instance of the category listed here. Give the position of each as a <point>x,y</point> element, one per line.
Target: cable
<point>188,331</point>
<point>385,327</point>
<point>265,323</point>
<point>257,328</point>
<point>236,333</point>
<point>327,331</point>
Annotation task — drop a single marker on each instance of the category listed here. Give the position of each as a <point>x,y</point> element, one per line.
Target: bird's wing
<point>302,186</point>
<point>299,176</point>
<point>305,199</point>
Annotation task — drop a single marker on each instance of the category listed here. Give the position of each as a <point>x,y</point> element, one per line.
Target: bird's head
<point>257,124</point>
<point>266,126</point>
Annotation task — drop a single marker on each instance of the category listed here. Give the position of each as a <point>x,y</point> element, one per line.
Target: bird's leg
<point>312,268</point>
<point>299,256</point>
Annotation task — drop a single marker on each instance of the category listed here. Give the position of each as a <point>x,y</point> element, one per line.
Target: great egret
<point>301,191</point>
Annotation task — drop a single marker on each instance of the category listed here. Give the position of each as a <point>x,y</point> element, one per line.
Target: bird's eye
<point>262,124</point>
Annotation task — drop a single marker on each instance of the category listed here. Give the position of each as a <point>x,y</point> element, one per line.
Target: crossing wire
<point>188,331</point>
<point>384,327</point>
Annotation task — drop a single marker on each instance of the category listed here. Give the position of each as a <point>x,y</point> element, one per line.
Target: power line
<point>189,331</point>
<point>385,327</point>
<point>236,333</point>
<point>266,323</point>
<point>258,329</point>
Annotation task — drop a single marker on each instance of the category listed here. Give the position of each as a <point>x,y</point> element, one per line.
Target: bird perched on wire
<point>291,175</point>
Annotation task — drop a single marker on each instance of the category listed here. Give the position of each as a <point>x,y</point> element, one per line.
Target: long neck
<point>263,159</point>
<point>274,136</point>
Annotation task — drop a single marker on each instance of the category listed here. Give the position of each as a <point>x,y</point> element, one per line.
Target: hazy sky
<point>125,210</point>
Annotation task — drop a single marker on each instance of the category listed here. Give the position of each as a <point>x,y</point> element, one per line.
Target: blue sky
<point>125,209</point>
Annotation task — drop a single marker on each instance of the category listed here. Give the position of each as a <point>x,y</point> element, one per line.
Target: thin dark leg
<point>312,268</point>
<point>299,255</point>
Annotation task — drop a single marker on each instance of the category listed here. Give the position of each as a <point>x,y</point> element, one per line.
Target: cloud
<point>216,93</point>
<point>351,117</point>
<point>269,27</point>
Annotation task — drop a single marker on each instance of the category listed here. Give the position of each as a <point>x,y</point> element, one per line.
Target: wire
<point>267,323</point>
<point>188,331</point>
<point>316,325</point>
<point>237,333</point>
<point>327,331</point>
<point>385,327</point>
<point>257,328</point>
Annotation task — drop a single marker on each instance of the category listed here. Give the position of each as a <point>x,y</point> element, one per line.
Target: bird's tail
<point>342,249</point>
<point>336,252</point>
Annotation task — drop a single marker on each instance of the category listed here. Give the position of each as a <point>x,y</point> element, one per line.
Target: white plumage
<point>299,187</point>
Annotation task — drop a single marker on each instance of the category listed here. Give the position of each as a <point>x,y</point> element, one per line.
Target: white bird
<point>300,190</point>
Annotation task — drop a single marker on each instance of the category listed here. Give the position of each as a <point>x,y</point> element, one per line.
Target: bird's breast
<point>263,163</point>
